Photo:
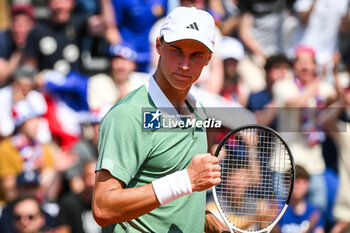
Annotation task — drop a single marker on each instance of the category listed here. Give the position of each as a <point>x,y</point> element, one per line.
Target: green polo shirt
<point>138,156</point>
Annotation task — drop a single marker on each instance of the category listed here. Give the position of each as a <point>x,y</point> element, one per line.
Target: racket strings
<point>256,179</point>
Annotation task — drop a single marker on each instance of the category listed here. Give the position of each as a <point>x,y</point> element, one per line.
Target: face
<point>238,179</point>
<point>181,63</point>
<point>89,176</point>
<point>21,25</point>
<point>61,10</point>
<point>230,67</point>
<point>301,187</point>
<point>121,68</point>
<point>30,127</point>
<point>27,217</point>
<point>305,67</point>
<point>277,72</point>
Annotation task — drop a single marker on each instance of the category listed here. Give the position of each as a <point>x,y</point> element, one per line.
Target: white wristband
<point>173,186</point>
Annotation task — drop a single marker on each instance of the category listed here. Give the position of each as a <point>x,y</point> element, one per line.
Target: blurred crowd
<point>64,63</point>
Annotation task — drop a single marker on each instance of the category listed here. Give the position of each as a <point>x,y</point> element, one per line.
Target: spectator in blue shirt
<point>261,103</point>
<point>131,21</point>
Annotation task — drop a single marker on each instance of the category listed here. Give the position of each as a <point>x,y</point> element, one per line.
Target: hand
<point>213,225</point>
<point>204,172</point>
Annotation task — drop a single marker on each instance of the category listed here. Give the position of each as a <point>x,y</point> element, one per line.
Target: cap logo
<point>193,26</point>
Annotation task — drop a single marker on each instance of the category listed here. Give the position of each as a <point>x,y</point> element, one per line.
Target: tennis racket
<point>257,172</point>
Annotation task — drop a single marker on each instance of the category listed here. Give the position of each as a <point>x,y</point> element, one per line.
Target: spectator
<point>301,216</point>
<point>262,102</point>
<point>123,68</point>
<point>133,26</point>
<point>13,41</point>
<point>336,120</point>
<point>260,31</point>
<point>302,98</point>
<point>56,44</point>
<point>23,152</point>
<point>22,88</point>
<point>318,18</point>
<point>75,208</point>
<point>231,51</point>
<point>85,150</point>
<point>28,216</point>
<point>29,187</point>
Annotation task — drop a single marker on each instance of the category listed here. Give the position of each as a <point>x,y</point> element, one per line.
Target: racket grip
<point>172,186</point>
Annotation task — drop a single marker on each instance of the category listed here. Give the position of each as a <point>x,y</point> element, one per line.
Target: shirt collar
<point>162,102</point>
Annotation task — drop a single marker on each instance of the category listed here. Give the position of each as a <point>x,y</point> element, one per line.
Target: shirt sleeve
<point>4,45</point>
<point>123,146</point>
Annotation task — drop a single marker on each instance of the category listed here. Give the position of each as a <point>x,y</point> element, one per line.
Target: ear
<point>209,58</point>
<point>158,45</point>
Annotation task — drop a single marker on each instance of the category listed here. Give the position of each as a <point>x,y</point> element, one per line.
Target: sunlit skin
<point>61,10</point>
<point>180,65</point>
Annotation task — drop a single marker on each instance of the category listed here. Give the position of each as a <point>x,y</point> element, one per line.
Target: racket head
<point>257,172</point>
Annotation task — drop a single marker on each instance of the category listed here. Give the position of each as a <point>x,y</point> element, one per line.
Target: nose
<point>185,63</point>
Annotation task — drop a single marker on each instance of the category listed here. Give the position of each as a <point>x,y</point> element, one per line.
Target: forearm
<point>111,33</point>
<point>247,37</point>
<point>265,116</point>
<point>229,25</point>
<point>119,205</point>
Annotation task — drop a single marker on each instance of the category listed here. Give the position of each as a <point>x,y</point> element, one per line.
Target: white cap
<point>189,23</point>
<point>231,48</point>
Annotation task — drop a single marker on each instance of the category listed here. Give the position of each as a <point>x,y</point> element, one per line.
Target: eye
<point>178,51</point>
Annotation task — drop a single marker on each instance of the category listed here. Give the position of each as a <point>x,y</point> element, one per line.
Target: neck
<point>175,96</point>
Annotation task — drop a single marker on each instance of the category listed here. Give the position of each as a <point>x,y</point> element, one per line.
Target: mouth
<point>182,75</point>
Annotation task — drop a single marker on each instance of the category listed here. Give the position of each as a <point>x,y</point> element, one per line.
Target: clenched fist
<point>204,172</point>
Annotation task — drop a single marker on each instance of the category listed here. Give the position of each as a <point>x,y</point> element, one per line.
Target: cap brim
<point>187,35</point>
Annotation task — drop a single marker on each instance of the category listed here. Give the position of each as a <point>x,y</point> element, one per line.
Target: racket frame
<point>231,227</point>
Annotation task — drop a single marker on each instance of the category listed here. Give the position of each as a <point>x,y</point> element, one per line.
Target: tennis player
<point>155,180</point>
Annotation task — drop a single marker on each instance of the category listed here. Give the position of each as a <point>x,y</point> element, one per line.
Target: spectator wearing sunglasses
<point>27,215</point>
